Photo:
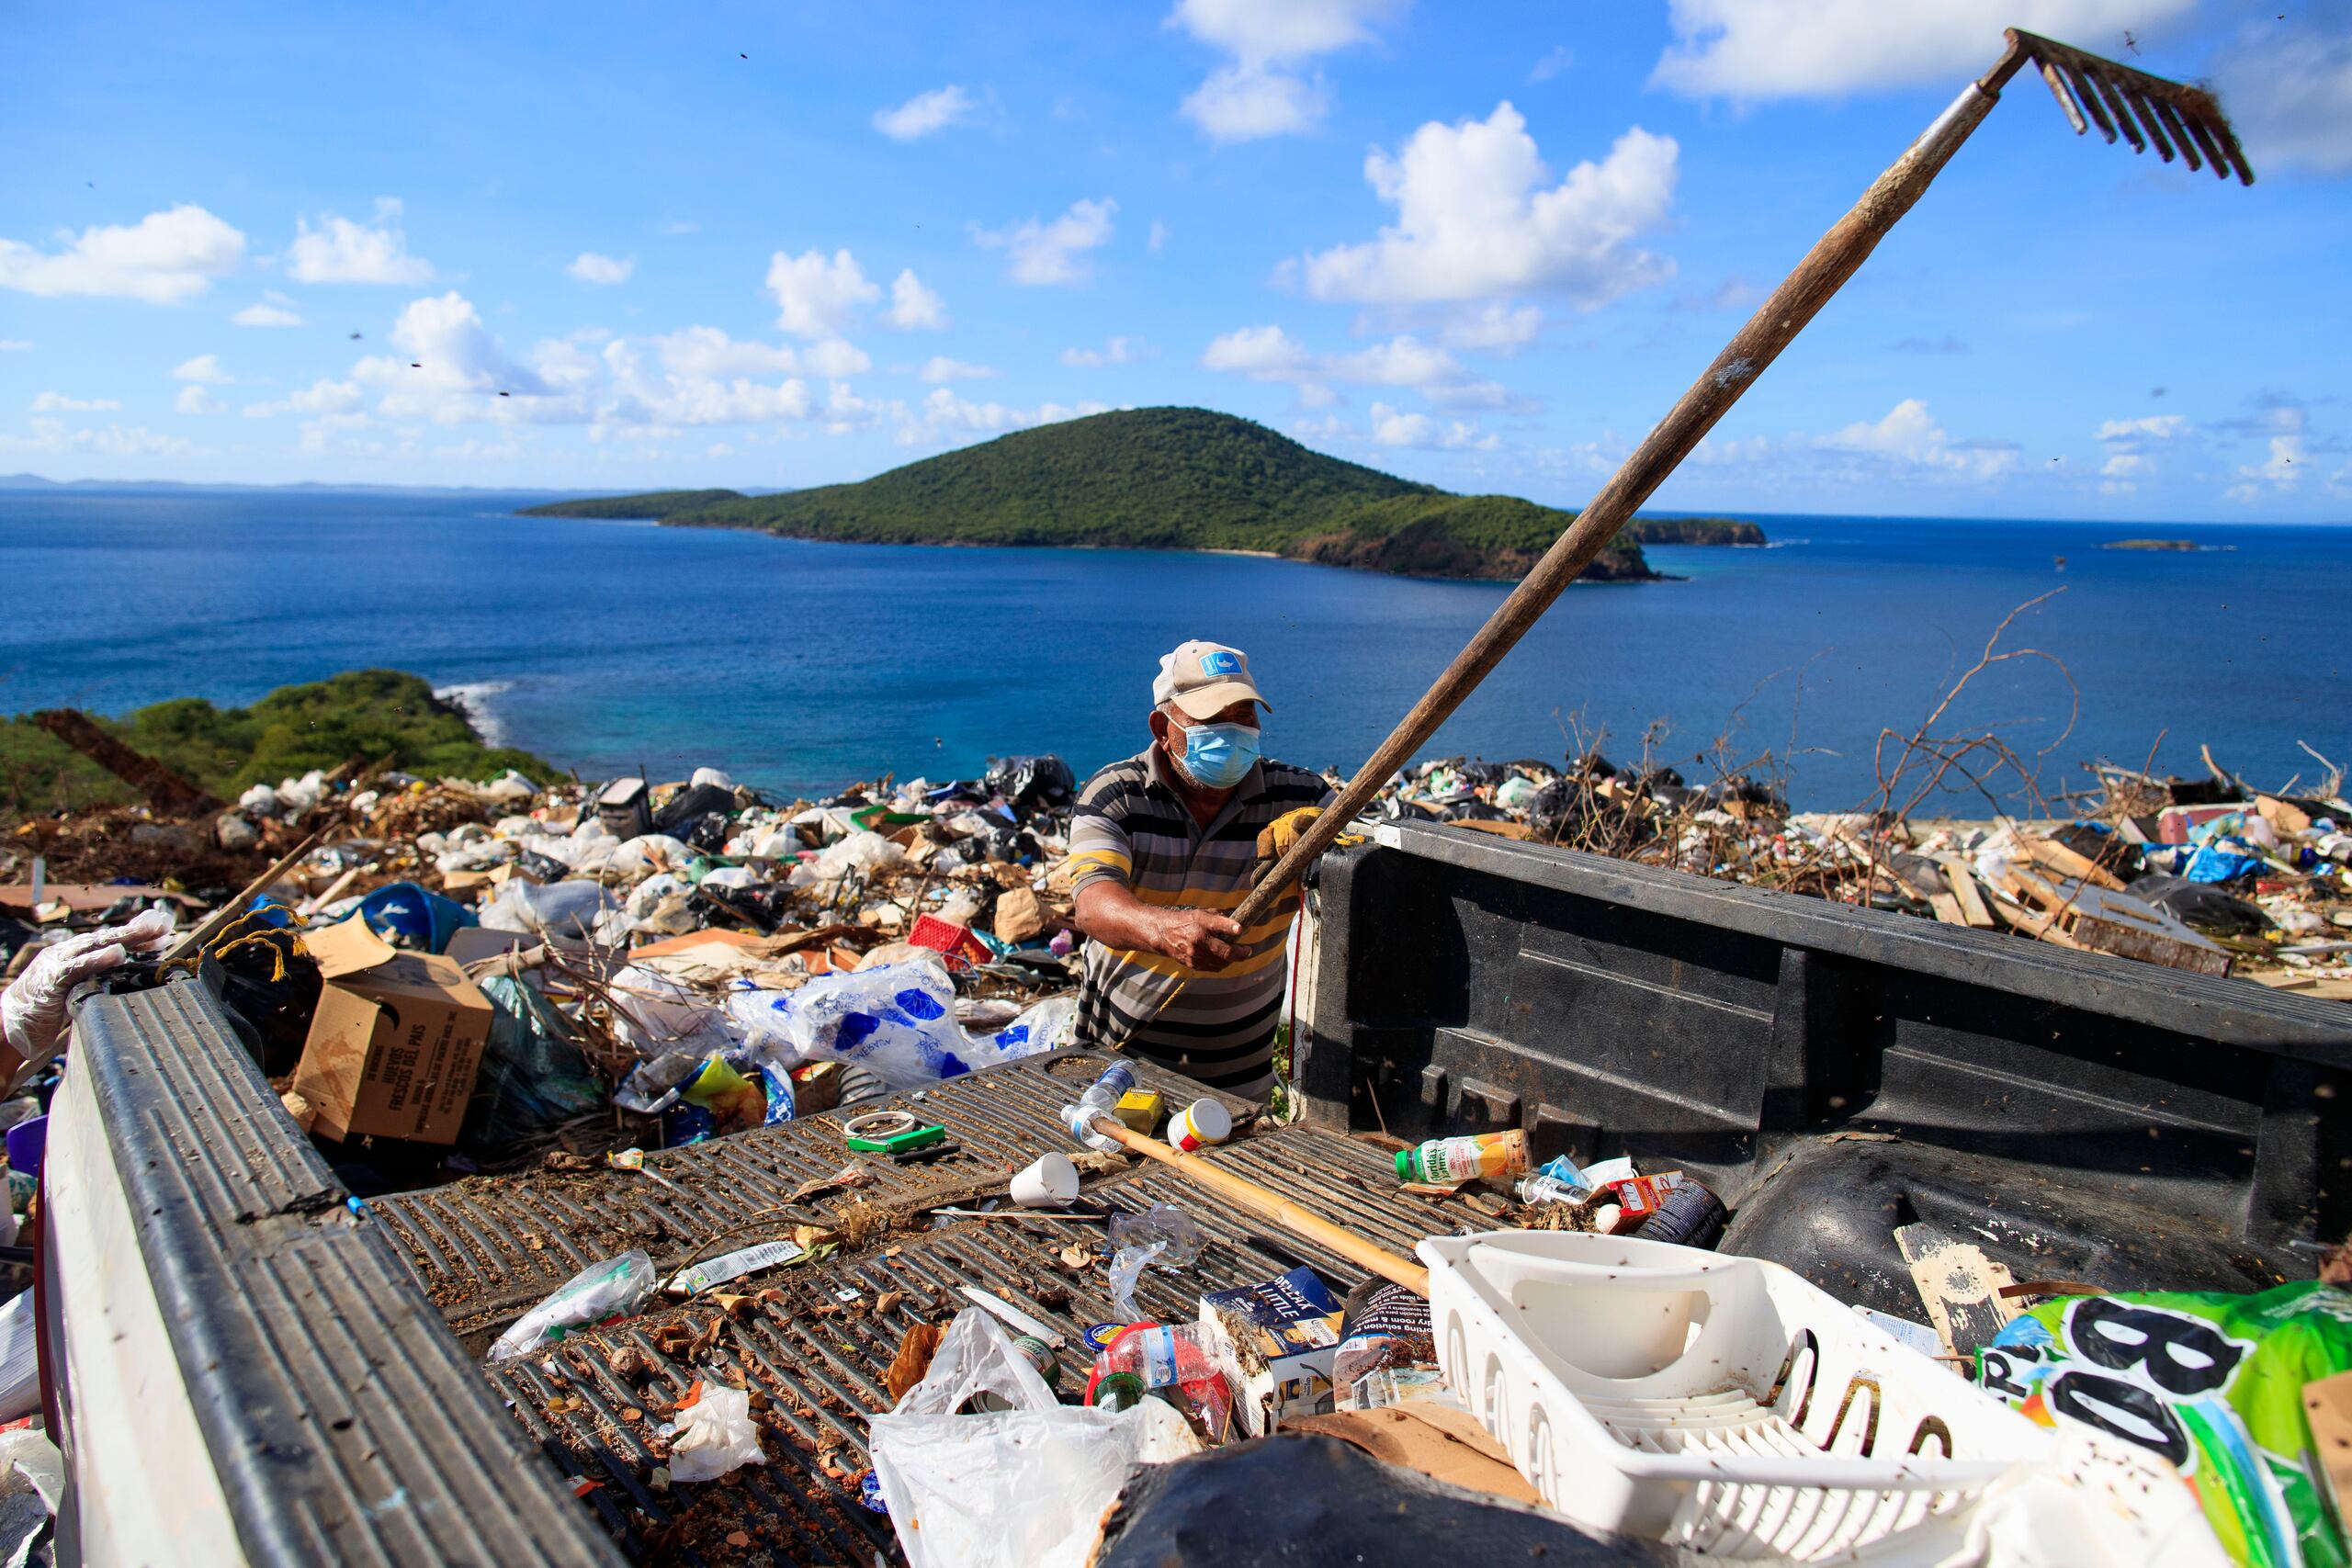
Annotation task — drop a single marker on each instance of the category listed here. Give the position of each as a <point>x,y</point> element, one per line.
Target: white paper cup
<point>1199,1124</point>
<point>1050,1183</point>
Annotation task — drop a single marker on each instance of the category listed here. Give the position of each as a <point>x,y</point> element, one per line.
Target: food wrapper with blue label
<point>1274,1341</point>
<point>2211,1381</point>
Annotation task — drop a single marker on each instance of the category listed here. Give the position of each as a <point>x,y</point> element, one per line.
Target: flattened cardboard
<point>396,1042</point>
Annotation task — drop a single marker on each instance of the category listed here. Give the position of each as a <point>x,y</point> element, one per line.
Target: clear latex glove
<point>32,1010</point>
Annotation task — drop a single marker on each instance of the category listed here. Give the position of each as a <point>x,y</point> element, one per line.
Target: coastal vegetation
<point>365,714</point>
<point>2150,545</point>
<point>1170,479</point>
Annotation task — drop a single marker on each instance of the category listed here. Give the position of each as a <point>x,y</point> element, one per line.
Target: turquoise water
<point>605,645</point>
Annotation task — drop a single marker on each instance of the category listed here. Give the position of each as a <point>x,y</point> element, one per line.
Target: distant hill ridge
<point>1168,479</point>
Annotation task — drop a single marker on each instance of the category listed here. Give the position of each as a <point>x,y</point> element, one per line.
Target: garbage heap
<point>2207,874</point>
<point>621,965</point>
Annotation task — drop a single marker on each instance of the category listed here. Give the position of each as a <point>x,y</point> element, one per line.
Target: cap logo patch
<point>1220,663</point>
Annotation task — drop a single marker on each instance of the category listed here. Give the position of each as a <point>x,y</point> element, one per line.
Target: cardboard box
<point>396,1042</point>
<point>1274,1341</point>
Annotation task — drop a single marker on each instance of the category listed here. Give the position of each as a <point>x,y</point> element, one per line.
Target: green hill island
<point>1172,479</point>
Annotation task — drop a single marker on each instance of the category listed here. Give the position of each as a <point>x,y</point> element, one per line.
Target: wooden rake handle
<point>1801,295</point>
<point>1272,1206</point>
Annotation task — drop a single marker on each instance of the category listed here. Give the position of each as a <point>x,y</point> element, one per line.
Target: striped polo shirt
<point>1130,825</point>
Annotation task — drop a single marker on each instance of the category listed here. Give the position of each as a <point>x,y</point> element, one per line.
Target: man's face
<point>1170,730</point>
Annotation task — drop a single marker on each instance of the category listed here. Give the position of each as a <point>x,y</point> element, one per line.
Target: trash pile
<point>625,965</point>
<point>2209,874</point>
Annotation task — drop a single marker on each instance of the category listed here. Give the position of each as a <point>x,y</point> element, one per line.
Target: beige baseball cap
<point>1204,679</point>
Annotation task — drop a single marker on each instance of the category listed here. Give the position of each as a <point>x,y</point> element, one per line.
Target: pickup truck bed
<point>248,1368</point>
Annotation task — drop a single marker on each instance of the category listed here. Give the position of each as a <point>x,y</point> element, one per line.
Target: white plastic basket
<point>1725,1405</point>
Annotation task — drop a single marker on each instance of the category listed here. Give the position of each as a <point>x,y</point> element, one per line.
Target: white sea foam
<point>472,699</point>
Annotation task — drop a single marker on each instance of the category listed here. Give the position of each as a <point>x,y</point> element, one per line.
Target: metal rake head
<point>2146,111</point>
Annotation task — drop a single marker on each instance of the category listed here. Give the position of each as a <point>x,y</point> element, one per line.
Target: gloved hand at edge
<point>32,1010</point>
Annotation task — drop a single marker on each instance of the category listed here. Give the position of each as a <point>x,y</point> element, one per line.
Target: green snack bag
<point>2211,1381</point>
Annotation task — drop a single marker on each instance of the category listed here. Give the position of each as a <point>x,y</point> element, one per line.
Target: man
<point>1162,845</point>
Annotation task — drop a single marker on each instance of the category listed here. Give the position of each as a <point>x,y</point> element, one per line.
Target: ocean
<point>607,646</point>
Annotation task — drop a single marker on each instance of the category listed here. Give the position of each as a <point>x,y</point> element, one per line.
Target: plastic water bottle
<point>1164,1356</point>
<point>1101,1100</point>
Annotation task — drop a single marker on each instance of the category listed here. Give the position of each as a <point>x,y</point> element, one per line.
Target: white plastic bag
<point>713,1435</point>
<point>650,853</point>
<point>1044,1026</point>
<point>560,908</point>
<point>617,1287</point>
<point>1022,1487</point>
<point>862,851</point>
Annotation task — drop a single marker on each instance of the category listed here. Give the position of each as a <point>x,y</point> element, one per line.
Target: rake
<point>2147,111</point>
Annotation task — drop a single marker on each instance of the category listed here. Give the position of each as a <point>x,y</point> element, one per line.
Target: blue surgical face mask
<point>1219,756</point>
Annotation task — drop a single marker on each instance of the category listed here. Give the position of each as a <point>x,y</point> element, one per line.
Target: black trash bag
<point>539,868</point>
<point>2104,846</point>
<point>708,832</point>
<point>533,1077</point>
<point>1315,1501</point>
<point>997,840</point>
<point>1473,810</point>
<point>764,906</point>
<point>1594,766</point>
<point>695,800</point>
<point>1651,778</point>
<point>1674,798</point>
<point>1398,809</point>
<point>1481,772</point>
<point>1747,792</point>
<point>2200,905</point>
<point>1031,783</point>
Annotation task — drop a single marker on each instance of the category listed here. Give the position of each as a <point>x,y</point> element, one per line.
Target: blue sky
<point>1484,244</point>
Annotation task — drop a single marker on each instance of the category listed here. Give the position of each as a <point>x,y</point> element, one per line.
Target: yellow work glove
<point>1274,840</point>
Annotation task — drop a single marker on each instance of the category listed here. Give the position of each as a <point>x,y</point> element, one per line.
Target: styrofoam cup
<point>1049,1183</point>
<point>1201,1123</point>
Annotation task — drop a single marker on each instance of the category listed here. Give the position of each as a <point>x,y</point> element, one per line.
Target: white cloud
<point>1477,219</point>
<point>340,251</point>
<point>14,345</point>
<point>197,399</point>
<point>1263,91</point>
<point>1270,354</point>
<point>1496,329</point>
<point>1910,435</point>
<point>2290,92</point>
<point>53,436</point>
<point>679,226</point>
<point>263,314</point>
<point>703,352</point>
<point>58,403</point>
<point>816,296</point>
<point>1242,103</point>
<point>2155,427</point>
<point>323,396</point>
<point>163,258</point>
<point>1118,351</point>
<point>836,357</point>
<point>600,270</point>
<point>924,113</point>
<point>1560,59</point>
<point>449,369</point>
<point>913,306</point>
<point>944,414</point>
<point>1392,428</point>
<point>1766,49</point>
<point>939,369</point>
<point>204,368</point>
<point>1055,252</point>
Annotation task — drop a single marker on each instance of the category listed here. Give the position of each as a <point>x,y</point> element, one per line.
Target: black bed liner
<point>1834,1072</point>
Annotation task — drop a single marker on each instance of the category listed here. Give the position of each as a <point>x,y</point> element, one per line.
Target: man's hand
<point>1198,939</point>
